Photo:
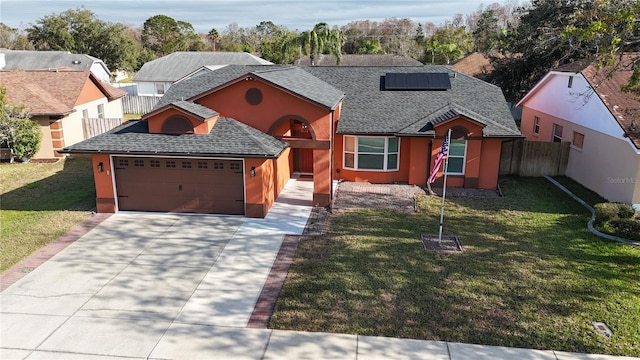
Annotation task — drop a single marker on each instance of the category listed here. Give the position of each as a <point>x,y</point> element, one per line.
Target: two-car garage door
<point>179,185</point>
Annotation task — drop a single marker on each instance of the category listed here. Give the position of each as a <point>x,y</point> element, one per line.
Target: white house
<point>155,77</point>
<point>582,105</point>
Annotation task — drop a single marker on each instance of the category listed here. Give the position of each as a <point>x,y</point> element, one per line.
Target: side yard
<point>39,203</point>
<point>531,275</point>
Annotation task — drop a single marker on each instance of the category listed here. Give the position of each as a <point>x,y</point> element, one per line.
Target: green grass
<point>39,203</point>
<point>531,275</point>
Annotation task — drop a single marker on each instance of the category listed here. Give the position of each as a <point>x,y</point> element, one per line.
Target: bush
<point>617,219</point>
<point>626,228</point>
<point>17,131</point>
<point>626,211</point>
<point>605,212</point>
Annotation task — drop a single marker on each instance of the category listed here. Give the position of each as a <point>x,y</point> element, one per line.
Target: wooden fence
<point>92,126</point>
<point>138,104</point>
<point>534,158</point>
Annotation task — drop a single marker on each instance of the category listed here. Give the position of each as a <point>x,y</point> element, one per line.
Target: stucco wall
<point>608,163</point>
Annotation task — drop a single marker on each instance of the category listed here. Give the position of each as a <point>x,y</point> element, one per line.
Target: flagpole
<point>444,185</point>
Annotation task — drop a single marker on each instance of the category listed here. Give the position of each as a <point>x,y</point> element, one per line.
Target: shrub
<point>626,228</point>
<point>605,212</point>
<point>617,219</point>
<point>626,211</point>
<point>17,131</point>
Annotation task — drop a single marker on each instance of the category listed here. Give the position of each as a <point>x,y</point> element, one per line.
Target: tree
<point>322,40</point>
<point>17,131</point>
<point>448,43</point>
<point>79,31</point>
<point>541,44</point>
<point>613,29</point>
<point>164,35</point>
<point>214,37</point>
<point>14,39</point>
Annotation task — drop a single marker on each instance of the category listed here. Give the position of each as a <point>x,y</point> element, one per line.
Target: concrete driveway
<point>139,283</point>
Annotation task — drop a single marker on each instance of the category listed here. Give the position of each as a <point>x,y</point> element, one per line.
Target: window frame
<point>159,89</point>
<point>536,125</point>
<point>577,144</point>
<point>100,111</point>
<point>463,157</point>
<point>554,136</point>
<point>385,154</point>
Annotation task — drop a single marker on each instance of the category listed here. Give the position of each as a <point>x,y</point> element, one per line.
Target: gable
<point>578,104</point>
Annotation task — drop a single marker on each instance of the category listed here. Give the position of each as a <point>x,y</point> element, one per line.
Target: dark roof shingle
<point>229,138</point>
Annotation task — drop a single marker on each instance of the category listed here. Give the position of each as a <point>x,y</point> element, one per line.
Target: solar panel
<point>417,81</point>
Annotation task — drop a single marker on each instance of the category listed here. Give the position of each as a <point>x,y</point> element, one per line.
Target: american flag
<point>442,156</point>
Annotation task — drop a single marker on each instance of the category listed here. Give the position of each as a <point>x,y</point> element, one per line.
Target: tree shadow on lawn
<point>531,275</point>
<point>71,188</point>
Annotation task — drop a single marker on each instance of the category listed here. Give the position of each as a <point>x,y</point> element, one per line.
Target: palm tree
<point>321,40</point>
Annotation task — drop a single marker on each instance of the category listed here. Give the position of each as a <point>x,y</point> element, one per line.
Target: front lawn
<point>39,203</point>
<point>531,275</point>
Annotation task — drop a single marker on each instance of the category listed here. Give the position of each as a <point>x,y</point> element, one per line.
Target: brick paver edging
<point>19,270</point>
<point>267,300</point>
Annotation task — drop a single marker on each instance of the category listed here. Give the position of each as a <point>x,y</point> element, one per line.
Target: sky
<point>207,14</point>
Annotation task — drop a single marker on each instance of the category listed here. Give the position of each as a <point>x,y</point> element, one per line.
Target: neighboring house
<point>31,60</point>
<point>475,64</point>
<point>69,105</point>
<point>155,77</point>
<point>228,141</point>
<point>585,106</point>
<point>359,60</point>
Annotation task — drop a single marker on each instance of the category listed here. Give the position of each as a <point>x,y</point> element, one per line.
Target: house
<point>228,141</point>
<point>475,64</point>
<point>69,105</point>
<point>155,77</point>
<point>585,106</point>
<point>359,60</point>
<point>31,60</point>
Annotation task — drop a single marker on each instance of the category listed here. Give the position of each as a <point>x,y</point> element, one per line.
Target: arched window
<point>177,125</point>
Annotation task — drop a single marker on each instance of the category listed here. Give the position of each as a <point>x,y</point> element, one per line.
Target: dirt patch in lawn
<point>352,195</point>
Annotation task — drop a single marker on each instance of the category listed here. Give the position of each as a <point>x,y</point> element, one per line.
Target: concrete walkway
<point>169,286</point>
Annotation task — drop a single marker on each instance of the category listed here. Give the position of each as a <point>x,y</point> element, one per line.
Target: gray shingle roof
<point>228,138</point>
<point>360,60</point>
<point>369,110</point>
<point>291,78</point>
<point>28,59</point>
<point>179,64</point>
<point>195,109</point>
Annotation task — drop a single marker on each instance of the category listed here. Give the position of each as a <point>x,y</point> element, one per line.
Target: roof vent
<point>417,81</point>
<point>76,62</point>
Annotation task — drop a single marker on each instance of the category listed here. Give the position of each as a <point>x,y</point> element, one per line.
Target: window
<point>186,164</point>
<point>85,114</point>
<point>234,166</point>
<point>154,163</point>
<point>123,162</point>
<point>159,89</point>
<point>557,133</point>
<point>457,157</point>
<point>170,164</point>
<point>100,111</point>
<point>371,153</point>
<point>570,84</point>
<point>202,165</point>
<point>536,125</point>
<point>218,166</point>
<point>138,163</point>
<point>578,139</point>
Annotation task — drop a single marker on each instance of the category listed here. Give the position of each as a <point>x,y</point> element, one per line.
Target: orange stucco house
<point>228,141</point>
